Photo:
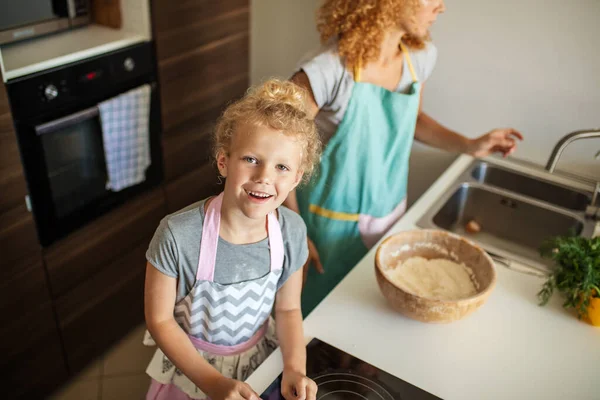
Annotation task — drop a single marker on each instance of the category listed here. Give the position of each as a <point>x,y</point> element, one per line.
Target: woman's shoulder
<point>325,56</point>
<point>424,60</point>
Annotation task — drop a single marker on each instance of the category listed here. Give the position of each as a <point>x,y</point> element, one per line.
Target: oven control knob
<point>50,92</point>
<point>129,64</point>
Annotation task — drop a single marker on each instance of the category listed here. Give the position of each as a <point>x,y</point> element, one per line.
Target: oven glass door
<point>75,164</point>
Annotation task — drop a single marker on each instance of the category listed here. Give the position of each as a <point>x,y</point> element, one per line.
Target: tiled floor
<point>118,375</point>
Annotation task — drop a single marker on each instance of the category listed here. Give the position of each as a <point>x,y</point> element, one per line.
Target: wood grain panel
<point>17,335</point>
<point>189,148</point>
<point>101,310</point>
<point>203,81</point>
<point>23,286</point>
<point>18,237</point>
<point>32,362</point>
<point>200,105</point>
<point>4,105</point>
<point>192,187</point>
<point>205,66</point>
<point>169,14</point>
<point>37,372</point>
<point>89,250</point>
<point>185,38</point>
<point>12,180</point>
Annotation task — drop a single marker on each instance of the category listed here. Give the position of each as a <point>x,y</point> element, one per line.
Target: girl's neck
<point>237,228</point>
<point>390,49</point>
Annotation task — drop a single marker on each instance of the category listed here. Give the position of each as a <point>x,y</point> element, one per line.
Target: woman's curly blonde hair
<point>359,26</point>
<point>280,105</point>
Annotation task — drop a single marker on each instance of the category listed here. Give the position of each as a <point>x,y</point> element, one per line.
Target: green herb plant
<point>577,271</point>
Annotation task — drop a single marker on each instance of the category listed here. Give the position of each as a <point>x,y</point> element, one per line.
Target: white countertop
<point>511,348</point>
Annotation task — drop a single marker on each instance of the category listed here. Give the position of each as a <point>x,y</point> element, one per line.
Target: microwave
<point>25,19</point>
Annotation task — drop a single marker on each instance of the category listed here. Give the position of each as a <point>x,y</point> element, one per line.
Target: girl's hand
<point>496,141</point>
<point>313,258</point>
<point>296,386</point>
<point>229,389</point>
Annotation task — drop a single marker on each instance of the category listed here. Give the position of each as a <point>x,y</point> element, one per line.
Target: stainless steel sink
<point>531,186</point>
<point>517,212</point>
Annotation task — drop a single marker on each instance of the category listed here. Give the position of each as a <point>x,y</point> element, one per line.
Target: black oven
<point>59,131</point>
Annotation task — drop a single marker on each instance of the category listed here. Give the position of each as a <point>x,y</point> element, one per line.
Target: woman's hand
<point>313,258</point>
<point>296,386</point>
<point>496,141</point>
<point>229,389</point>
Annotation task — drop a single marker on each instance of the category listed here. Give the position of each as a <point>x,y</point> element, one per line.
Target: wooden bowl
<point>432,244</point>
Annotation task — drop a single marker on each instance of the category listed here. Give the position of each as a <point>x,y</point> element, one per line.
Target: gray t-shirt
<point>175,248</point>
<point>332,83</point>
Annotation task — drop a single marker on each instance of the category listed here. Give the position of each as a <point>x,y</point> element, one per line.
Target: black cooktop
<point>342,376</point>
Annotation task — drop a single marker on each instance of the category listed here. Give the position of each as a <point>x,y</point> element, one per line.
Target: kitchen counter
<point>511,348</point>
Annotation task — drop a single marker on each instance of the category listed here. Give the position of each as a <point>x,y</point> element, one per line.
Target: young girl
<point>217,267</point>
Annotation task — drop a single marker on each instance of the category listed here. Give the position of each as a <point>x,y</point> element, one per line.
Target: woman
<point>367,86</point>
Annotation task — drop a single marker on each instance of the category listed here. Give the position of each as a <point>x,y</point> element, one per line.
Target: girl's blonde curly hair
<point>359,26</point>
<point>280,105</point>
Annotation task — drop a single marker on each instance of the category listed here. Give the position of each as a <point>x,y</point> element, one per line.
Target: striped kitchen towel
<point>125,130</point>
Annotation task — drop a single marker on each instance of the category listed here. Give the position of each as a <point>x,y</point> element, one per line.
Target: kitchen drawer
<point>23,286</point>
<point>31,326</point>
<point>102,309</point>
<point>36,372</point>
<point>88,251</point>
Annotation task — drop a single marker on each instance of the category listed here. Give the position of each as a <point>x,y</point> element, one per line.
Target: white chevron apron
<point>229,325</point>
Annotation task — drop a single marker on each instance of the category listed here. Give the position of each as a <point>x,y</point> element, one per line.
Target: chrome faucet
<point>567,140</point>
<point>593,210</point>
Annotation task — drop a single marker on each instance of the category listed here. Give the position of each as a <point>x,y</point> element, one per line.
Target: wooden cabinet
<point>89,250</point>
<point>67,304</point>
<point>203,59</point>
<point>32,362</point>
<point>12,180</point>
<point>97,277</point>
<point>104,308</point>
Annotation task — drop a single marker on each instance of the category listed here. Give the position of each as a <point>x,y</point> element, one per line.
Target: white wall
<point>530,64</point>
<point>281,32</point>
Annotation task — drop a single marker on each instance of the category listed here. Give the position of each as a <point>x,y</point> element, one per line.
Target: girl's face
<point>262,167</point>
<point>424,18</point>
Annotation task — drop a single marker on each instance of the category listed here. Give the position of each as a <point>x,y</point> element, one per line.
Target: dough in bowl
<point>437,279</point>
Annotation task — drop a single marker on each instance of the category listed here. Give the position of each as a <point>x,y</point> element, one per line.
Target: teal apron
<point>360,185</point>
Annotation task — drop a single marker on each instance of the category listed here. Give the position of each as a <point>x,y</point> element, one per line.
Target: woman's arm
<point>288,320</point>
<point>430,132</point>
<point>159,303</point>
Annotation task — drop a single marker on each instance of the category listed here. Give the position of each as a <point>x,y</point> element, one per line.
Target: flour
<point>438,279</point>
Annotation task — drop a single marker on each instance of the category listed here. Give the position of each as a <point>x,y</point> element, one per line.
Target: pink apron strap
<point>210,238</point>
<point>221,350</point>
<point>275,242</point>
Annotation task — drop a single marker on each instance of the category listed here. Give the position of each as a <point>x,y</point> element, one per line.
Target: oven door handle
<point>72,119</point>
